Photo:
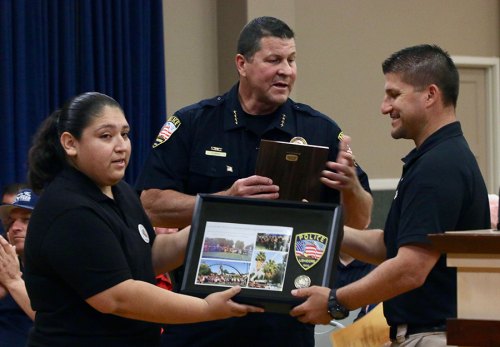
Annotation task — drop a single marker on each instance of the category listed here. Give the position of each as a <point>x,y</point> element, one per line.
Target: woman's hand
<point>221,306</point>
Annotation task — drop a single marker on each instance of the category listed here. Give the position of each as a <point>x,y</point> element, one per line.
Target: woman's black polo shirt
<point>80,243</point>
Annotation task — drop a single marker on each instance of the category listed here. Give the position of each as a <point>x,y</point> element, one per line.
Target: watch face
<point>339,313</point>
<point>336,310</point>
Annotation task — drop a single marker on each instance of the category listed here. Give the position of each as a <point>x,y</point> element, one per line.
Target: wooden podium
<point>476,255</point>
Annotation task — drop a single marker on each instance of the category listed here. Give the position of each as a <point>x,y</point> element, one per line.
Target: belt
<point>401,331</point>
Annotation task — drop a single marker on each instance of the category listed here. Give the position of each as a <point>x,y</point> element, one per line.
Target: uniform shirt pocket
<point>211,174</point>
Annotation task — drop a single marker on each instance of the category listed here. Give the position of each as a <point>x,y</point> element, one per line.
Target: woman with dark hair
<point>91,252</point>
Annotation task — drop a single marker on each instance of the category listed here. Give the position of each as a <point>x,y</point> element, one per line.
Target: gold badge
<point>298,140</point>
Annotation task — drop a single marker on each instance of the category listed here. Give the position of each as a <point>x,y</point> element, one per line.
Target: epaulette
<point>309,111</point>
<point>203,103</point>
<point>213,101</point>
<point>305,109</point>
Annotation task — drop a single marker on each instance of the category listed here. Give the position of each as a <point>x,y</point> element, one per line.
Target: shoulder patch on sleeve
<point>172,124</point>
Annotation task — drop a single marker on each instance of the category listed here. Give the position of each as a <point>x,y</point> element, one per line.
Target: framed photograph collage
<point>267,247</point>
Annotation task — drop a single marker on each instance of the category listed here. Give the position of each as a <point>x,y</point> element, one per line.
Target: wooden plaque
<point>295,168</point>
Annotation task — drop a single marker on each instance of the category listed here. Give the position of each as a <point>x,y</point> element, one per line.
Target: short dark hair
<point>423,65</point>
<point>249,40</point>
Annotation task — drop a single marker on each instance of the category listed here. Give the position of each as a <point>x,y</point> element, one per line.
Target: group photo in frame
<point>267,247</point>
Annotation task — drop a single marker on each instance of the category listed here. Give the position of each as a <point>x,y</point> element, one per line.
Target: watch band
<point>336,310</point>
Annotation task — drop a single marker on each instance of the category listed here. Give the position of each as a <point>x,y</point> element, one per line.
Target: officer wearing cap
<point>212,147</point>
<point>16,314</point>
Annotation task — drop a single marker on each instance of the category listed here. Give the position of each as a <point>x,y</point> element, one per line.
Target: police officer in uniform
<point>212,146</point>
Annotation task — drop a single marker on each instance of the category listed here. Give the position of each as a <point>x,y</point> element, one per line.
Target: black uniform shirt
<point>80,243</point>
<point>206,147</point>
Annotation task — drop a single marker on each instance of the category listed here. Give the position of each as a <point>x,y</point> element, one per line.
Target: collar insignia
<point>235,115</point>
<point>282,122</point>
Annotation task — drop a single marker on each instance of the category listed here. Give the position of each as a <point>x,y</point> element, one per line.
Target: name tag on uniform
<point>215,152</point>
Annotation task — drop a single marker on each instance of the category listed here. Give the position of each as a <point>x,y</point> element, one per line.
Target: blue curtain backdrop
<point>51,50</point>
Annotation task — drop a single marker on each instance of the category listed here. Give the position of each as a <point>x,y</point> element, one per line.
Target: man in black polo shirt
<point>441,189</point>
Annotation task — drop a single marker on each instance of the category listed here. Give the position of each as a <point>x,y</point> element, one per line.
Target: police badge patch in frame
<point>267,247</point>
<point>309,249</point>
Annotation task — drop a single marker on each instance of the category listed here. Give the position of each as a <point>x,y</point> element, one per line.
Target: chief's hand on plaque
<point>341,175</point>
<point>254,187</point>
<point>315,309</point>
<point>221,306</point>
